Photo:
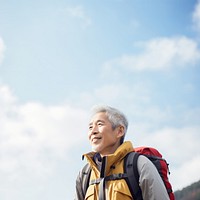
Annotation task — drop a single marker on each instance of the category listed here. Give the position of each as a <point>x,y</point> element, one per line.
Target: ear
<point>120,131</point>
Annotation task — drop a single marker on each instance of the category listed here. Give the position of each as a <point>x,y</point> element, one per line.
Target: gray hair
<point>116,117</point>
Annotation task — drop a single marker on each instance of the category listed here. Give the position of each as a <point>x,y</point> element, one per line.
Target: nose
<point>93,131</point>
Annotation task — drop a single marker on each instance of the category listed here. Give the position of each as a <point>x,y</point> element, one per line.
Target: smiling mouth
<point>95,139</point>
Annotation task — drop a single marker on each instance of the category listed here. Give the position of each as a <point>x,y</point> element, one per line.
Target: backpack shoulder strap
<point>86,171</point>
<point>132,180</point>
<point>131,177</point>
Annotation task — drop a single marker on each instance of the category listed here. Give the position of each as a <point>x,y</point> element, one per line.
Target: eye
<point>99,123</point>
<point>90,127</point>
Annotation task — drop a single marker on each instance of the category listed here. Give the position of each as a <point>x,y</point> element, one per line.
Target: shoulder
<point>150,181</point>
<point>144,164</point>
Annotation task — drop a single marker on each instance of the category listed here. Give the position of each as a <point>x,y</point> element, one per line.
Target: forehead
<point>101,116</point>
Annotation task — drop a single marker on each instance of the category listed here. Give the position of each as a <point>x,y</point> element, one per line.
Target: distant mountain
<point>191,192</point>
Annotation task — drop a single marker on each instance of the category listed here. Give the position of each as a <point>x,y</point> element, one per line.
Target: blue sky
<point>59,58</point>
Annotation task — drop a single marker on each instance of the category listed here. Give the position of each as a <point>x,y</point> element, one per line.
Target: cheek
<point>89,134</point>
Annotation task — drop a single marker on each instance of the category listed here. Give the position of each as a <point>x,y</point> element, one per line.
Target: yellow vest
<point>115,189</point>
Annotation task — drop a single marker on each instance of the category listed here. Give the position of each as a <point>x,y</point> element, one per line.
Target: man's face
<point>102,137</point>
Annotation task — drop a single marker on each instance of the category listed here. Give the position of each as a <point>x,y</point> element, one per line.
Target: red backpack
<point>160,163</point>
<point>131,174</point>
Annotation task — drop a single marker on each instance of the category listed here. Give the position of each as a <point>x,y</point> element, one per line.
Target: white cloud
<point>2,49</point>
<point>118,94</point>
<point>6,96</point>
<point>78,12</point>
<point>159,54</point>
<point>196,17</point>
<point>34,136</point>
<point>187,173</point>
<point>36,141</point>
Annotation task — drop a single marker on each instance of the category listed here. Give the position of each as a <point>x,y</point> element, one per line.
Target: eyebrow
<point>99,120</point>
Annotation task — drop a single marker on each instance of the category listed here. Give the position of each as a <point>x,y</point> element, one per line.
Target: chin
<point>96,149</point>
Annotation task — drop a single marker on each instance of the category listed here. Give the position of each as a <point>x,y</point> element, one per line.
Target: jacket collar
<point>110,160</point>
